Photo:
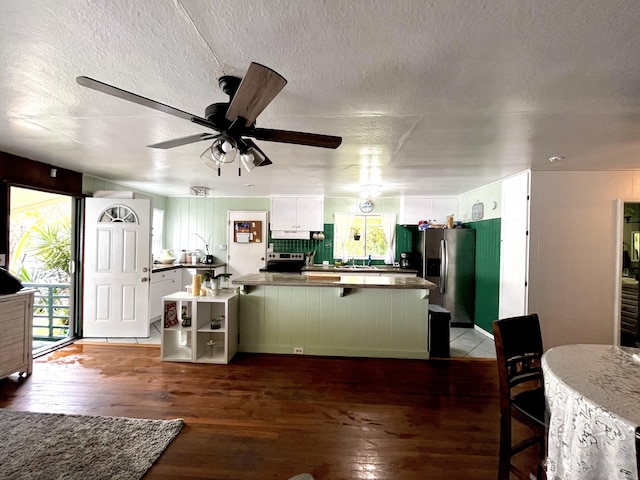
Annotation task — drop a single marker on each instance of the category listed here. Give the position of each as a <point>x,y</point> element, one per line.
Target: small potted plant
<point>206,277</point>
<point>356,233</point>
<point>215,281</point>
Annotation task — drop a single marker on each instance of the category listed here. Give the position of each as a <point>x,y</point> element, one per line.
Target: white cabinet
<point>414,209</point>
<point>163,283</point>
<point>16,339</point>
<point>297,214</point>
<point>199,339</point>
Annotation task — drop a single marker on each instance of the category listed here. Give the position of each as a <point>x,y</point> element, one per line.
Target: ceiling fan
<point>234,120</point>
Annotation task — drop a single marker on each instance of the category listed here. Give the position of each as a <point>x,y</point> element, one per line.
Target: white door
<point>245,254</point>
<point>116,267</point>
<point>514,246</point>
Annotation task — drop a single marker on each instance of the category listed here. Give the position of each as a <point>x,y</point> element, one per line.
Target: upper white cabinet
<point>414,209</point>
<point>304,214</point>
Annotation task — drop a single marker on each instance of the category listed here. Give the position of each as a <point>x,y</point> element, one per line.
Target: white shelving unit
<point>200,342</point>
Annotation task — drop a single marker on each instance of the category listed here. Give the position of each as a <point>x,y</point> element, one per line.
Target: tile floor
<point>464,342</point>
<point>469,342</point>
<point>153,339</point>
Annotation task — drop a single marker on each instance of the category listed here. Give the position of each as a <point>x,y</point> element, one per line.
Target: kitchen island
<point>356,316</point>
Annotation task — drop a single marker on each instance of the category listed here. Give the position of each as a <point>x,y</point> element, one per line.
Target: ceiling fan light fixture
<point>222,150</point>
<point>247,159</point>
<point>252,158</point>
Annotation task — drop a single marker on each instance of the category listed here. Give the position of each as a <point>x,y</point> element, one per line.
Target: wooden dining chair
<point>518,343</point>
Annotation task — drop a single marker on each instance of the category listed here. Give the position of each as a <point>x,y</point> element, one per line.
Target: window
<point>157,231</point>
<point>372,239</point>
<point>118,214</point>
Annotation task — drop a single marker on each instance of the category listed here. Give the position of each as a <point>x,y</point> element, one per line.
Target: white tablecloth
<point>593,399</point>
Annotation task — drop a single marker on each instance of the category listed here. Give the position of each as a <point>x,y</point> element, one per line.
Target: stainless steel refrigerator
<point>446,257</point>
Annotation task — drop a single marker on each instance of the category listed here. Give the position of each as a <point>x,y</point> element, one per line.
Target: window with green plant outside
<point>366,238</point>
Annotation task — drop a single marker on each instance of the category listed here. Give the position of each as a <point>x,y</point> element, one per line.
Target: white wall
<point>487,195</point>
<point>572,258</point>
<point>93,184</point>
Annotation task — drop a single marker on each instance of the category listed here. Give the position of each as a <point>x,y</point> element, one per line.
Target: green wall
<point>487,271</point>
<point>324,248</point>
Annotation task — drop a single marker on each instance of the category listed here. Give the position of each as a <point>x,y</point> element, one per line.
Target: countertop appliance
<point>446,257</point>
<point>278,262</point>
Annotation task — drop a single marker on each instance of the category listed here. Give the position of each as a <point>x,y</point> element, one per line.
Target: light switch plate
<point>3,260</point>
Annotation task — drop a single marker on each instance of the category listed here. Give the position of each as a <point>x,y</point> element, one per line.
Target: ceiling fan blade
<point>299,138</point>
<point>132,97</point>
<point>176,142</point>
<point>258,88</point>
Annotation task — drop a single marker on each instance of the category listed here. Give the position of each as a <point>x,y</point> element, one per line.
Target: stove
<point>278,262</point>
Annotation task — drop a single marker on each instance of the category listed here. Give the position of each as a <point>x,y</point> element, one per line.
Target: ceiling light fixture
<point>555,159</point>
<point>253,157</point>
<point>224,148</point>
<point>198,191</point>
<point>370,190</point>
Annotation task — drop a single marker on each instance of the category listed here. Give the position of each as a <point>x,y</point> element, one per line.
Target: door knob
<point>144,279</point>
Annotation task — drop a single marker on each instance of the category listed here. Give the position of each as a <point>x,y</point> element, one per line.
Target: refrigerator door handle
<point>444,265</point>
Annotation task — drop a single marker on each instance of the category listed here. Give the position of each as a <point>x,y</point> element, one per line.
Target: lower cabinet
<point>16,335</point>
<point>163,283</point>
<point>202,329</point>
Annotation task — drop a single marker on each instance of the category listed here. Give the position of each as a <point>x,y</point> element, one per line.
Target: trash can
<point>439,322</point>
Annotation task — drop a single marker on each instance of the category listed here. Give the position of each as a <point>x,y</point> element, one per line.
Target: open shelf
<point>198,342</point>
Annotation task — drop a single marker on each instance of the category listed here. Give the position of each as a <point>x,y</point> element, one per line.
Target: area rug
<point>67,447</point>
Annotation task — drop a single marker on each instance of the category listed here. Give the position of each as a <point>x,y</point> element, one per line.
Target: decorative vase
<point>215,286</point>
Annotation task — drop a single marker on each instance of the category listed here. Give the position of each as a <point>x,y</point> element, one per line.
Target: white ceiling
<point>431,97</point>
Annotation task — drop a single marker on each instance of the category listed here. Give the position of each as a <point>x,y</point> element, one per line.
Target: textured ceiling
<point>431,97</point>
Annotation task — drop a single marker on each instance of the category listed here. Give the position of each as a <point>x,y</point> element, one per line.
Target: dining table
<point>593,408</point>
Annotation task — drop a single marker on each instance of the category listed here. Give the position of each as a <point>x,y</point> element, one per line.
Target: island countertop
<point>350,281</point>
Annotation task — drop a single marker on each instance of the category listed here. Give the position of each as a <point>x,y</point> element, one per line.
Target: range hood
<point>290,235</point>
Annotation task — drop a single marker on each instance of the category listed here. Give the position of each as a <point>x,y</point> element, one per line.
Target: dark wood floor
<point>274,416</point>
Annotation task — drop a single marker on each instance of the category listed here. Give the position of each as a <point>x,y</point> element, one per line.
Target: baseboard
<point>483,331</point>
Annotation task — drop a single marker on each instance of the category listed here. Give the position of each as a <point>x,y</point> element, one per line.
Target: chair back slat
<point>523,368</point>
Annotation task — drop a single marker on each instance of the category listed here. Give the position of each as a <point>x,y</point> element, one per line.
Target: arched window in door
<point>118,214</point>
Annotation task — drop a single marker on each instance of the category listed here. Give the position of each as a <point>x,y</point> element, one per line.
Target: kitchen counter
<point>344,281</point>
<point>380,269</point>
<point>159,267</point>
